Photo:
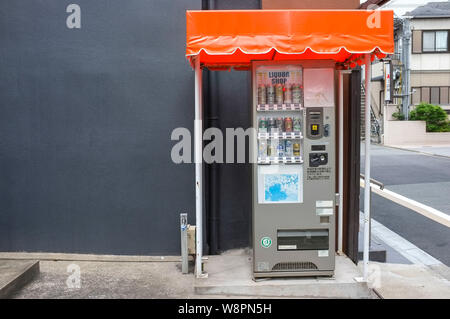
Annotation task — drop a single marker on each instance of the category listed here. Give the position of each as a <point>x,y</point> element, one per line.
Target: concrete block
<point>14,274</point>
<point>231,274</point>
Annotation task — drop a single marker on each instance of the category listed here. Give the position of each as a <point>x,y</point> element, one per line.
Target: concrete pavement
<point>399,281</point>
<point>229,275</point>
<point>117,279</point>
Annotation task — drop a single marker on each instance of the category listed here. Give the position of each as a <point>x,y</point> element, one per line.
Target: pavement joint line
<point>404,247</point>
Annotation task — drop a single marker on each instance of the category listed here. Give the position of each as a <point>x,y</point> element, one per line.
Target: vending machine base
<point>294,274</point>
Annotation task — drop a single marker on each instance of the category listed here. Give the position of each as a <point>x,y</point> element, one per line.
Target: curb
<point>27,275</point>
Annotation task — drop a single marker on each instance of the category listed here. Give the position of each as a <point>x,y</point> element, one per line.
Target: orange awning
<point>234,38</point>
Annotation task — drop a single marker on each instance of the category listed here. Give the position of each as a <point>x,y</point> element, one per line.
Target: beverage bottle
<point>262,149</point>
<point>288,124</point>
<point>287,94</point>
<point>288,148</point>
<point>280,148</point>
<point>296,149</point>
<point>296,94</point>
<point>262,125</point>
<point>280,124</point>
<point>297,124</point>
<point>279,93</point>
<point>271,125</point>
<point>262,94</point>
<point>272,148</point>
<point>270,94</point>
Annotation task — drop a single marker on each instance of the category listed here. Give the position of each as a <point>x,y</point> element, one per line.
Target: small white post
<point>367,169</point>
<point>198,132</point>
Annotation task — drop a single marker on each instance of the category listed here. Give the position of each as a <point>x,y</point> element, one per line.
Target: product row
<point>280,94</point>
<point>279,124</point>
<point>278,148</point>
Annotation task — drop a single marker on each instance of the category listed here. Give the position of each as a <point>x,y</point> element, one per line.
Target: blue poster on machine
<point>281,188</point>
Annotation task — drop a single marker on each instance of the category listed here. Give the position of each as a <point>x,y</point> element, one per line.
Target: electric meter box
<point>293,152</point>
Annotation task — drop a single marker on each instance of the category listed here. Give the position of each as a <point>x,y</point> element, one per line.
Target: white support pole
<point>341,162</point>
<point>198,140</point>
<point>367,169</point>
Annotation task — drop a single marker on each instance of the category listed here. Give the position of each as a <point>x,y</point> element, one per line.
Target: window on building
<point>444,96</point>
<point>441,41</point>
<point>415,96</point>
<point>425,95</point>
<point>435,41</point>
<point>433,95</point>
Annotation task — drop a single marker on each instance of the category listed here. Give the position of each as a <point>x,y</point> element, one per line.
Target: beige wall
<point>430,78</point>
<point>310,4</point>
<point>403,133</point>
<point>375,88</point>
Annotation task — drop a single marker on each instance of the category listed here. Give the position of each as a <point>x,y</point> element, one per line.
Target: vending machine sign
<point>278,85</point>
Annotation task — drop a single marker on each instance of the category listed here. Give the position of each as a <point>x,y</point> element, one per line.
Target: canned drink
<point>297,124</point>
<point>296,94</point>
<point>287,94</point>
<point>296,149</point>
<point>262,125</point>
<point>288,148</point>
<point>280,124</point>
<point>262,148</point>
<point>262,94</point>
<point>270,94</point>
<point>271,125</point>
<point>288,124</point>
<point>279,93</point>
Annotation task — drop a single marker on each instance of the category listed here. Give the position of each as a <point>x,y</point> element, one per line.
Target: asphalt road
<point>423,178</point>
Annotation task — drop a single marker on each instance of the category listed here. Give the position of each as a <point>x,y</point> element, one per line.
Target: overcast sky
<point>400,7</point>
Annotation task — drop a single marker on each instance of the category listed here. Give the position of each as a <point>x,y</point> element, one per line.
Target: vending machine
<point>294,193</point>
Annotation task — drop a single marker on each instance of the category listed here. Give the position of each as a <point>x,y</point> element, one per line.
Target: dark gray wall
<point>85,123</point>
<point>229,100</point>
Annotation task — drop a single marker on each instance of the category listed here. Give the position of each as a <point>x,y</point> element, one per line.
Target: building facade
<point>430,60</point>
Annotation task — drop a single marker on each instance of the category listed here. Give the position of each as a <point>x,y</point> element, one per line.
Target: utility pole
<point>406,49</point>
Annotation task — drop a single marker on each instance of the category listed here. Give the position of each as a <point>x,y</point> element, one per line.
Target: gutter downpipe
<point>341,161</point>
<point>406,49</point>
<point>367,170</point>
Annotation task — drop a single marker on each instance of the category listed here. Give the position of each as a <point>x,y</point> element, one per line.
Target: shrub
<point>434,115</point>
<point>398,116</point>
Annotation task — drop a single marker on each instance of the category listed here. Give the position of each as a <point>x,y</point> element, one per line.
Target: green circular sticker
<point>266,242</point>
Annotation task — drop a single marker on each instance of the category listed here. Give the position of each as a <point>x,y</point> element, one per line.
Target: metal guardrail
<point>373,181</point>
